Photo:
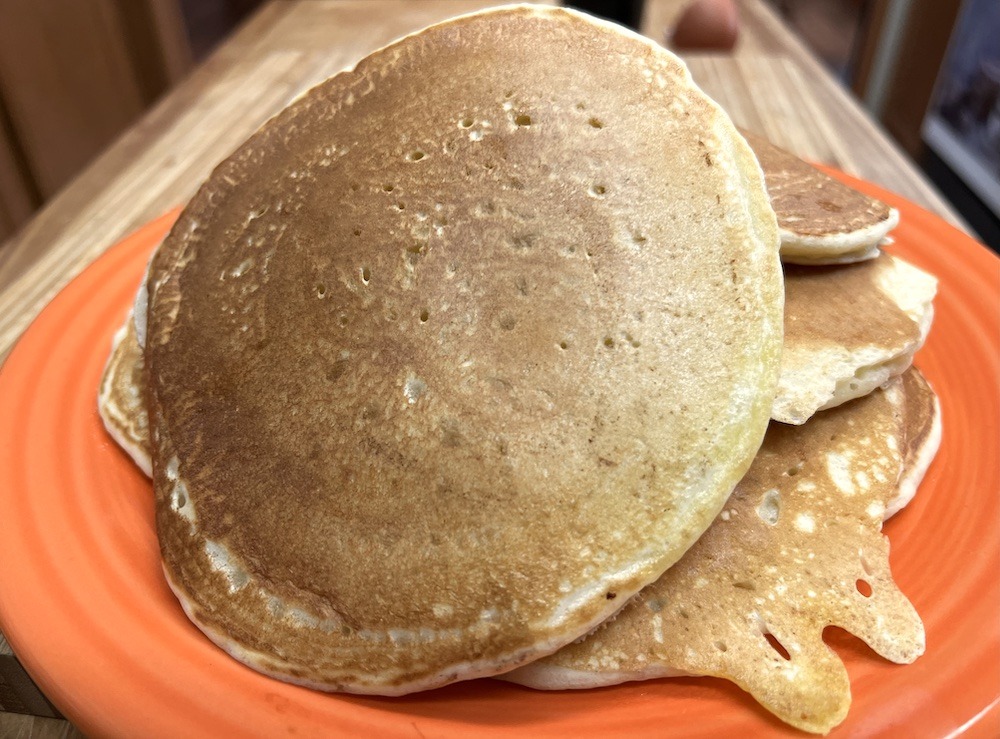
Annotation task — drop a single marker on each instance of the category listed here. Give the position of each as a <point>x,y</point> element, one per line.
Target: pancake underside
<point>440,374</point>
<point>797,548</point>
<point>809,258</point>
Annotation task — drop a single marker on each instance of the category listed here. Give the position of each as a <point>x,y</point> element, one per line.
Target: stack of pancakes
<point>478,340</point>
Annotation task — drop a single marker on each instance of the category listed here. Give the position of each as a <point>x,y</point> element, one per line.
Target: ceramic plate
<point>85,607</point>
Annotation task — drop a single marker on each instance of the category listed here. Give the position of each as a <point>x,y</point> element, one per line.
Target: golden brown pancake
<point>120,400</point>
<point>457,353</point>
<point>848,329</point>
<point>797,548</point>
<point>821,220</point>
<point>922,439</point>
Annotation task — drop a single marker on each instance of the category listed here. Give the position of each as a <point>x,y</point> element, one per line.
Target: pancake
<point>126,420</point>
<point>120,395</point>
<point>821,220</point>
<point>848,329</point>
<point>798,548</point>
<point>457,353</point>
<point>922,439</point>
<point>119,399</point>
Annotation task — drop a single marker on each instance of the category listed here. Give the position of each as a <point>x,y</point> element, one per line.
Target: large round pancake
<point>821,220</point>
<point>457,353</point>
<point>848,329</point>
<point>797,548</point>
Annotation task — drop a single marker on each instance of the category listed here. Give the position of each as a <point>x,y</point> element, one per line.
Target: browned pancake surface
<point>809,202</point>
<point>457,353</point>
<point>120,396</point>
<point>848,329</point>
<point>922,417</point>
<point>844,306</point>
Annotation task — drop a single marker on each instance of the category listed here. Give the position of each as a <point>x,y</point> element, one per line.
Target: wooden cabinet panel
<point>67,83</point>
<point>73,76</point>
<point>18,198</point>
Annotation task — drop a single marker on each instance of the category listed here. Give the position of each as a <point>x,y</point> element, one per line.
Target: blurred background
<point>75,75</point>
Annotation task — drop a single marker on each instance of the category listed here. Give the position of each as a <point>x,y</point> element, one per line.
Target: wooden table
<point>770,84</point>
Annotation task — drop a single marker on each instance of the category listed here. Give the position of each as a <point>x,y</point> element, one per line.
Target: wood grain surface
<point>22,726</point>
<point>770,85</point>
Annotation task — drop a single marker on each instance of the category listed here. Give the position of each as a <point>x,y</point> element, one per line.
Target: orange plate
<point>84,604</point>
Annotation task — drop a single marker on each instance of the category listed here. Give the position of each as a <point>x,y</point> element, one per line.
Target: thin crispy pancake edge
<point>922,444</point>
